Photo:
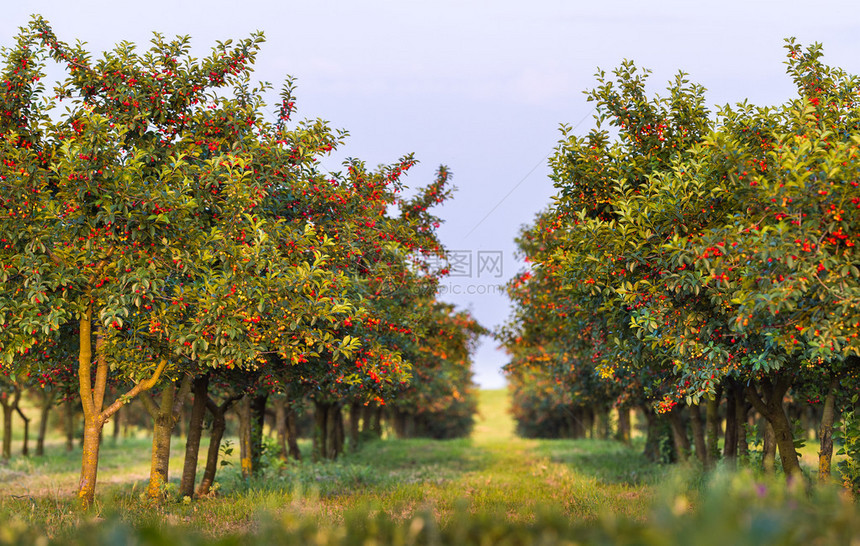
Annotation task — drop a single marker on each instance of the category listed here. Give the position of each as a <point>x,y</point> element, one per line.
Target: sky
<point>480,87</point>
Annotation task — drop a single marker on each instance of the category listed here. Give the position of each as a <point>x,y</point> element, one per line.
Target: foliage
<point>847,436</point>
<point>164,220</point>
<point>697,251</point>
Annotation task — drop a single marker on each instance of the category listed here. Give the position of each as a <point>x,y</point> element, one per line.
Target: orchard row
<point>159,236</point>
<point>692,256</point>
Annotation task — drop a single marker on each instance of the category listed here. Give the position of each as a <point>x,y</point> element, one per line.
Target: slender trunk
<point>93,422</point>
<point>825,432</point>
<point>652,435</point>
<point>181,423</point>
<point>410,426</point>
<point>90,461</point>
<point>281,426</point>
<point>698,427</point>
<point>328,430</point>
<point>769,405</point>
<point>398,422</point>
<point>784,434</point>
<point>730,439</point>
<point>243,411</point>
<point>741,411</point>
<point>164,420</point>
<point>258,421</point>
<point>373,420</point>
<point>712,429</point>
<point>768,449</point>
<point>320,446</point>
<point>599,428</point>
<point>624,424</point>
<point>159,465</point>
<point>195,431</point>
<point>25,449</point>
<point>293,435</point>
<point>330,433</point>
<point>252,415</point>
<point>365,419</point>
<point>45,411</point>
<point>579,424</point>
<point>339,430</point>
<point>7,430</point>
<point>219,424</point>
<point>588,422</point>
<point>679,433</point>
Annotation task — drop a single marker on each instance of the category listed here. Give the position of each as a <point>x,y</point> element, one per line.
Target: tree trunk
<point>7,430</point>
<point>730,439</point>
<point>45,410</point>
<point>320,447</point>
<point>219,424</point>
<point>409,425</point>
<point>90,461</point>
<point>825,432</point>
<point>653,433</point>
<point>281,426</point>
<point>164,417</point>
<point>258,421</point>
<point>679,433</point>
<point>92,401</point>
<point>252,415</point>
<point>340,429</point>
<point>398,421</point>
<point>195,431</point>
<point>624,424</point>
<point>372,422</point>
<point>10,406</point>
<point>588,422</point>
<point>160,461</point>
<point>25,449</point>
<point>600,428</point>
<point>768,449</point>
<point>741,410</point>
<point>243,411</point>
<point>769,405</point>
<point>698,427</point>
<point>712,429</point>
<point>331,433</point>
<point>293,434</point>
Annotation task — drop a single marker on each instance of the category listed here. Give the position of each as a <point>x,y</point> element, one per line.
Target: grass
<point>483,489</point>
<point>491,471</point>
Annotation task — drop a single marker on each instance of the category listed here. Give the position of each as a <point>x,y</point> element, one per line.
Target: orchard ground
<point>584,483</point>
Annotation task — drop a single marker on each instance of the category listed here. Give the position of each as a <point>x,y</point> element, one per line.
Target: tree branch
<point>140,387</point>
<point>149,405</point>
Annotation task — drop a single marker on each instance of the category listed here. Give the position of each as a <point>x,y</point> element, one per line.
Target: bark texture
<point>768,403</point>
<point>200,389</point>
<point>825,432</point>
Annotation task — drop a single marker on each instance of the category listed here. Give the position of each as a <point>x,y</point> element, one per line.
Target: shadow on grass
<point>378,466</point>
<point>607,461</point>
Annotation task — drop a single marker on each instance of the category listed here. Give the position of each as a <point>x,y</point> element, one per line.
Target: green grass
<point>491,471</point>
<point>487,488</point>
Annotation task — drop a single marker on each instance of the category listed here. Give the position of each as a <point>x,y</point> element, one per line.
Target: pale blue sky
<point>479,86</point>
